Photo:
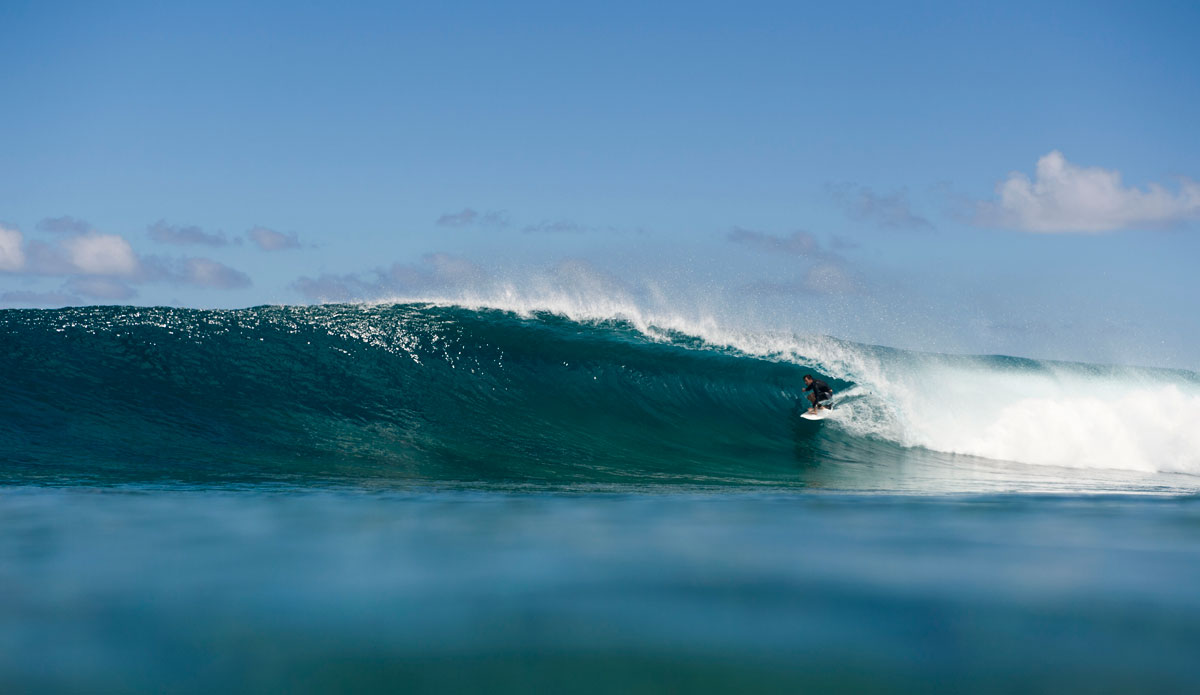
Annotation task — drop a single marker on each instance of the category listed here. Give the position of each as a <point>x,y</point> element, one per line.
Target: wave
<point>565,393</point>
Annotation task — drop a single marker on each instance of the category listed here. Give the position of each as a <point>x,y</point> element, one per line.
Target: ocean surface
<point>429,498</point>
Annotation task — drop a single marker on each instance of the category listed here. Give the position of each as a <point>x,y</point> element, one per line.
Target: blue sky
<point>1016,178</point>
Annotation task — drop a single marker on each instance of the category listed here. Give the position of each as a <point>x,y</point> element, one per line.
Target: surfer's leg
<point>812,398</point>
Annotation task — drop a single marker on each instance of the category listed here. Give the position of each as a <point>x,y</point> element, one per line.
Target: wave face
<point>447,393</point>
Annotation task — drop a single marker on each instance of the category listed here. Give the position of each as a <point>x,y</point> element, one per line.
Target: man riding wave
<point>821,393</point>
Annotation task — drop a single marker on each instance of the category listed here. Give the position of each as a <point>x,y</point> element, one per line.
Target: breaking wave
<point>520,393</point>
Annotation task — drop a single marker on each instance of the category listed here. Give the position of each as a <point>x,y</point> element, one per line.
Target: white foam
<point>1060,418</point>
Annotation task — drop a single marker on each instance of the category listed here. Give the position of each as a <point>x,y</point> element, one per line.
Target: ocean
<point>425,497</point>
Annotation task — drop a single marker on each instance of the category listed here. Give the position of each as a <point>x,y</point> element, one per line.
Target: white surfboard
<point>819,415</point>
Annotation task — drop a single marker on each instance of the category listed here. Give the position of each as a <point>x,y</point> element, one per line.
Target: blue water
<point>429,498</point>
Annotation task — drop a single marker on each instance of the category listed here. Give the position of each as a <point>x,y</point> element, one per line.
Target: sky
<point>1016,178</point>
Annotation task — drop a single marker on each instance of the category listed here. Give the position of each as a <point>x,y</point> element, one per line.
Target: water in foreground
<point>426,499</point>
<point>281,590</point>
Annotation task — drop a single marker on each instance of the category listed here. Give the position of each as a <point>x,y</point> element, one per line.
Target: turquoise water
<point>430,498</point>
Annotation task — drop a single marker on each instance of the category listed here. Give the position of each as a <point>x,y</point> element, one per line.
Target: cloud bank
<point>99,266</point>
<point>1065,197</point>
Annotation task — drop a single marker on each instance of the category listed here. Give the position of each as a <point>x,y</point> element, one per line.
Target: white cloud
<point>271,240</point>
<point>101,254</point>
<point>1064,197</point>
<point>12,258</point>
<point>99,266</point>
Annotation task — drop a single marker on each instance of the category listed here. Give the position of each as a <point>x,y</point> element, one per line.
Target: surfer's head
<point>808,378</point>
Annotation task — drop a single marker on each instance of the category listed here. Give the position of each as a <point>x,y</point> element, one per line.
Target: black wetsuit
<point>821,391</point>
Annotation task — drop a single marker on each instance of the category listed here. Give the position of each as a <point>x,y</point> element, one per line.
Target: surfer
<point>820,392</point>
